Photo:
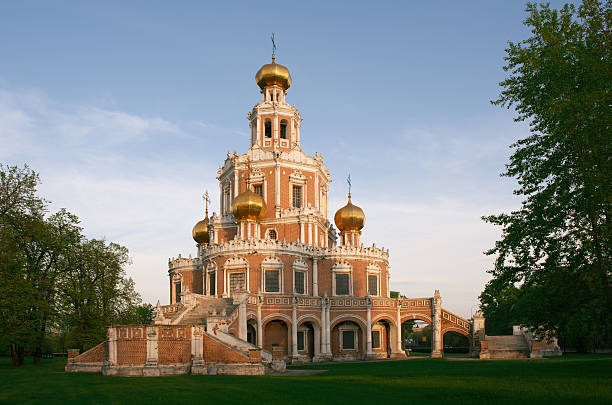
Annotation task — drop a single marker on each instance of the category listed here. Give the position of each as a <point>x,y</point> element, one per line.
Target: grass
<point>569,379</point>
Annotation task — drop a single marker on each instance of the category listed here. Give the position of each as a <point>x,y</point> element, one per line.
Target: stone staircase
<point>505,347</point>
<point>197,312</point>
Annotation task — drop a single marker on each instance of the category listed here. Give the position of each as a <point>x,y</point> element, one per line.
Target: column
<point>328,332</point>
<point>294,328</point>
<point>277,189</point>
<point>398,322</point>
<point>302,232</point>
<point>259,323</point>
<point>248,227</point>
<point>369,352</point>
<point>323,328</point>
<point>112,346</point>
<point>316,191</point>
<point>315,277</point>
<point>225,284</point>
<point>436,344</point>
<point>236,185</point>
<point>257,130</point>
<point>197,350</point>
<point>310,233</point>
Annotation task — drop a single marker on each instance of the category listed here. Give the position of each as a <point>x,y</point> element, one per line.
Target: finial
<point>206,199</point>
<point>348,180</point>
<point>273,49</point>
<point>248,174</point>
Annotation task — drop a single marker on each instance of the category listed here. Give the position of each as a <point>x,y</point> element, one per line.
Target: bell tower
<point>274,124</point>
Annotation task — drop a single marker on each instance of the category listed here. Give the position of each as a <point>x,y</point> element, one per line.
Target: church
<point>288,279</point>
<point>273,282</point>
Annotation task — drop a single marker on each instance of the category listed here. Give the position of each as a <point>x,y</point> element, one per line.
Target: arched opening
<point>347,341</point>
<point>455,343</point>
<point>252,332</point>
<point>416,337</point>
<point>283,129</point>
<point>306,340</point>
<point>382,337</point>
<point>276,334</point>
<point>268,128</point>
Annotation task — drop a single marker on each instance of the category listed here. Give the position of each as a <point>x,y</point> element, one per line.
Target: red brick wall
<point>174,344</point>
<point>215,351</point>
<point>96,354</point>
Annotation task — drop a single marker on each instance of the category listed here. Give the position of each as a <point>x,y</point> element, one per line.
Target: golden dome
<point>249,206</point>
<point>273,74</point>
<point>349,218</point>
<point>200,231</point>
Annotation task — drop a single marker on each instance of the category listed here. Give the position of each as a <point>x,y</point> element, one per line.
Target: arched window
<point>283,129</point>
<point>272,234</point>
<point>268,128</point>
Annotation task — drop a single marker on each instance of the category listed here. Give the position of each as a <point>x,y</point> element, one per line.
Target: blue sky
<point>126,110</point>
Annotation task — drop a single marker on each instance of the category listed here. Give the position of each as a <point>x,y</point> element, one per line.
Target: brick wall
<point>276,334</point>
<point>174,344</point>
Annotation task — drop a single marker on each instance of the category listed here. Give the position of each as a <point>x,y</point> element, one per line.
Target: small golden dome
<point>249,206</point>
<point>349,218</point>
<point>200,231</point>
<point>273,74</point>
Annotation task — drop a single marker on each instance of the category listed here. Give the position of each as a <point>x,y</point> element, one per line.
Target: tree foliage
<point>52,279</point>
<point>556,248</point>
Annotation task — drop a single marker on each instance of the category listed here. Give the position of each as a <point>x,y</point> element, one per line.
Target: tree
<point>556,248</point>
<point>51,277</point>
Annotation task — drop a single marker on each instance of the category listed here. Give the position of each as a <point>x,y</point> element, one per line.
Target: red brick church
<point>271,274</point>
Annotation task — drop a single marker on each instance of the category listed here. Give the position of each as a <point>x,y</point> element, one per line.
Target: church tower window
<point>283,129</point>
<point>372,285</point>
<point>272,234</point>
<point>272,280</point>
<point>268,129</point>
<point>342,284</point>
<point>297,196</point>
<point>258,189</point>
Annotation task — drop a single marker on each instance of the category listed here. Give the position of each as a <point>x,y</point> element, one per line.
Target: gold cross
<point>206,199</point>
<point>348,180</point>
<point>273,49</point>
<point>248,174</point>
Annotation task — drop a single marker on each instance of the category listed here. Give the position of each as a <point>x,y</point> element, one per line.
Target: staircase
<point>507,347</point>
<point>204,306</point>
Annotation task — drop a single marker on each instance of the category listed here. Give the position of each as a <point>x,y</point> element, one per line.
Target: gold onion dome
<point>273,74</point>
<point>249,206</point>
<point>200,231</point>
<point>349,218</point>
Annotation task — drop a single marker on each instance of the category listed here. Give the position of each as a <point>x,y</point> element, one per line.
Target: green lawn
<point>570,379</point>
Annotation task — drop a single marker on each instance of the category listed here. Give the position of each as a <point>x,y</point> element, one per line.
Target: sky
<point>126,109</point>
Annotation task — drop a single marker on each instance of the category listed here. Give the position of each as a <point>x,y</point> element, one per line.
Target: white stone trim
<point>272,263</point>
<point>348,327</point>
<point>342,268</point>
<point>301,266</point>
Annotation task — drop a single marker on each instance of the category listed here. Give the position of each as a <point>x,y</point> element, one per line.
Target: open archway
<point>454,342</point>
<point>416,335</point>
<point>276,334</point>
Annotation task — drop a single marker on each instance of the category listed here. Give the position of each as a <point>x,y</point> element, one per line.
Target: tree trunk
<point>37,354</point>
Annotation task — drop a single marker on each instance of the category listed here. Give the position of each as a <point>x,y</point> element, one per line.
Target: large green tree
<point>52,279</point>
<point>556,248</point>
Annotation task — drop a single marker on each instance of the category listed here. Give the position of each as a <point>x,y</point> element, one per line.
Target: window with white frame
<point>372,284</point>
<point>299,282</point>
<point>348,336</point>
<point>272,280</point>
<point>212,283</point>
<point>237,281</point>
<point>272,234</point>
<point>258,189</point>
<point>297,196</point>
<point>272,275</point>
<point>301,340</point>
<point>375,339</point>
<point>342,284</point>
